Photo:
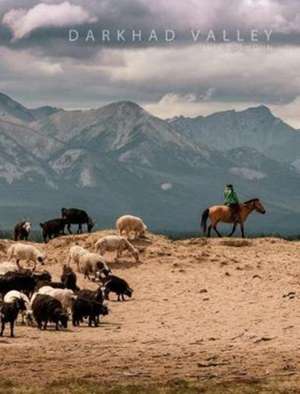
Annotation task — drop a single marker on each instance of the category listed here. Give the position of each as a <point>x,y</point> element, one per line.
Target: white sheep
<point>131,224</point>
<point>8,266</point>
<point>75,252</point>
<point>20,251</point>
<point>92,263</point>
<point>65,296</point>
<point>116,243</point>
<point>13,295</point>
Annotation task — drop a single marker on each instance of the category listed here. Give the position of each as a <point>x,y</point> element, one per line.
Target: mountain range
<point>121,159</point>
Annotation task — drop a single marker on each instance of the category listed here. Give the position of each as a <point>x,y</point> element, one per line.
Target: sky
<point>46,58</point>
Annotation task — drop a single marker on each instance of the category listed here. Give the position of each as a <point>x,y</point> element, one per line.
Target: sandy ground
<point>219,309</point>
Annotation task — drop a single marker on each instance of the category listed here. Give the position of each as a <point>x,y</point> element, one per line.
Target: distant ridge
<point>120,158</point>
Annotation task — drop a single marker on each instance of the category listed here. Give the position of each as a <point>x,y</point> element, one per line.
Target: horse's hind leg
<point>209,230</point>
<point>233,230</point>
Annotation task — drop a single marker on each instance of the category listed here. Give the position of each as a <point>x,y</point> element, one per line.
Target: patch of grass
<point>173,387</point>
<point>237,243</point>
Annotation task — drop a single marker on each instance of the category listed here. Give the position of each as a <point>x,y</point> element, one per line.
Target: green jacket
<point>230,197</point>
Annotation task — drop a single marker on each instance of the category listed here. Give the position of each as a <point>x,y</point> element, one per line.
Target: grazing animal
<point>9,313</point>
<point>53,285</point>
<point>129,224</point>
<point>116,243</point>
<point>53,228</point>
<point>65,296</point>
<point>22,231</point>
<point>48,309</point>
<point>8,266</point>
<point>223,213</point>
<point>92,263</point>
<point>69,278</point>
<point>21,251</point>
<point>96,295</point>
<point>42,276</point>
<point>13,295</point>
<point>117,285</point>
<point>87,308</point>
<point>21,281</point>
<point>77,216</point>
<point>74,254</point>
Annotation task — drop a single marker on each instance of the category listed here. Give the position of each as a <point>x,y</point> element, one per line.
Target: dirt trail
<point>218,309</point>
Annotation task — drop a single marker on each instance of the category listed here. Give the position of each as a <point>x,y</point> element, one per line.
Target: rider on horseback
<point>232,201</point>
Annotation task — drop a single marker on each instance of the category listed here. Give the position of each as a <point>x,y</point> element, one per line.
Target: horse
<point>22,231</point>
<point>223,213</point>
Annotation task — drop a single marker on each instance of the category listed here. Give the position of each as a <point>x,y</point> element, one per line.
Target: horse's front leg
<point>216,230</point>
<point>242,229</point>
<point>233,230</point>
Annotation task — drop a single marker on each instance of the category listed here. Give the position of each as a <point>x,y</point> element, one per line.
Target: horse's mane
<point>250,201</point>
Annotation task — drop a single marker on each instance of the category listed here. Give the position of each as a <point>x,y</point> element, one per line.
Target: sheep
<point>8,266</point>
<point>20,251</point>
<point>21,281</point>
<point>65,296</point>
<point>86,307</point>
<point>112,243</point>
<point>117,285</point>
<point>69,278</point>
<point>131,224</point>
<point>74,254</point>
<point>9,313</point>
<point>13,295</point>
<point>48,309</point>
<point>92,263</point>
<point>53,285</point>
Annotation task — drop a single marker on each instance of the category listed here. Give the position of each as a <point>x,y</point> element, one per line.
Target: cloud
<point>178,78</point>
<point>233,71</point>
<point>22,22</point>
<point>26,16</point>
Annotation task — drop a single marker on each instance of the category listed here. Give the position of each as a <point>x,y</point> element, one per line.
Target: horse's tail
<point>204,218</point>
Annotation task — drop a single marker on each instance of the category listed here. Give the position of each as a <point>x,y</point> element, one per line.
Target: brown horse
<point>223,213</point>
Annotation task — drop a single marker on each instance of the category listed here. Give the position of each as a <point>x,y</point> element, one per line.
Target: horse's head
<point>258,206</point>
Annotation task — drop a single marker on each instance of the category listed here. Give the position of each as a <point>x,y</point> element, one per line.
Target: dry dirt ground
<point>204,311</point>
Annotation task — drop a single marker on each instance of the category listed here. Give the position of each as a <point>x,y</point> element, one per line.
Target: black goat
<point>117,285</point>
<point>77,216</point>
<point>96,295</point>
<point>69,278</point>
<point>53,228</point>
<point>87,308</point>
<point>22,231</point>
<point>21,281</point>
<point>47,309</point>
<point>9,313</point>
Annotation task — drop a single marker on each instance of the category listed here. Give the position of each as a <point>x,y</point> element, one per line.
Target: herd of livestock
<point>39,299</point>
